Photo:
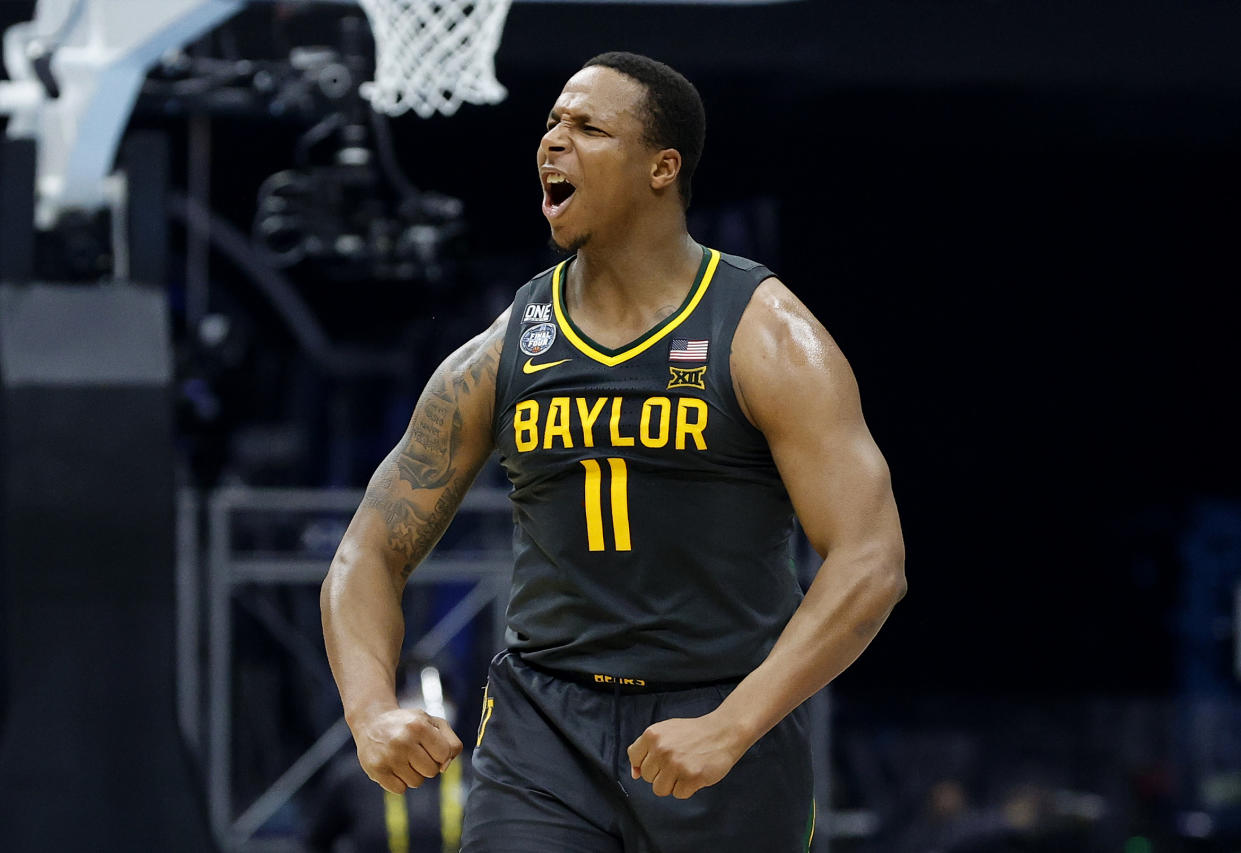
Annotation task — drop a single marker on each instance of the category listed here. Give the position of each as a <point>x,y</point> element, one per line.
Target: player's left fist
<point>682,756</point>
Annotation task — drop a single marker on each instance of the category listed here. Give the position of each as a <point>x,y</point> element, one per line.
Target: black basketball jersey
<point>652,529</point>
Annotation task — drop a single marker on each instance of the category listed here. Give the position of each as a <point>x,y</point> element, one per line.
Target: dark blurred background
<point>1018,219</point>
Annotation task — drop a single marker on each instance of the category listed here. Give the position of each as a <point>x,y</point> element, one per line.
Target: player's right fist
<point>403,748</point>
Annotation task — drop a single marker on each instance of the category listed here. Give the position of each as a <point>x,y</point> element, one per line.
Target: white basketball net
<point>433,55</point>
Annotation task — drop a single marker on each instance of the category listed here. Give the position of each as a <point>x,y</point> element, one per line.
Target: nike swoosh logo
<point>528,367</point>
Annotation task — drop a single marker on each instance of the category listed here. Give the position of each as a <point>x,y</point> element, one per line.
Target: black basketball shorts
<point>551,775</point>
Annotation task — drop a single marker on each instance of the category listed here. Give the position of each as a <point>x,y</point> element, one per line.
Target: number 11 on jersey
<point>594,503</point>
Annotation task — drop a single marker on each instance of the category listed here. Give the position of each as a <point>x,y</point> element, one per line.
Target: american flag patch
<point>683,350</point>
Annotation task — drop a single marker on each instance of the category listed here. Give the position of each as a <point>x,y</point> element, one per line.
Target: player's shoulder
<point>532,302</point>
<point>741,274</point>
<point>784,363</point>
<point>545,275</point>
<point>771,310</point>
<point>534,298</point>
<point>483,350</point>
<point>745,265</point>
<point>777,328</point>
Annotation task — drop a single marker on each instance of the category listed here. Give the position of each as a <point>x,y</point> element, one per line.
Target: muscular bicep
<point>796,386</point>
<point>419,485</point>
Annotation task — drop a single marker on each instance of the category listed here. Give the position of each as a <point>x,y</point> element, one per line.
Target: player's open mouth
<point>557,193</point>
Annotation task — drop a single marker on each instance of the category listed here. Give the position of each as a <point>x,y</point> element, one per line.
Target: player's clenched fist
<point>681,756</point>
<point>402,748</point>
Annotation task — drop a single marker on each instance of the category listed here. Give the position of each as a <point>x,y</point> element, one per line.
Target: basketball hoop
<point>433,55</point>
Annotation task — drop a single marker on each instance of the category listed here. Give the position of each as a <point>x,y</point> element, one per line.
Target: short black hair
<point>674,115</point>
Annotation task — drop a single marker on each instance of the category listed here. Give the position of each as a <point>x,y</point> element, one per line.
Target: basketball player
<point>661,410</point>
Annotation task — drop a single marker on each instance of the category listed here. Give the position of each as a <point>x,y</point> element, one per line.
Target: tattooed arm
<point>409,502</point>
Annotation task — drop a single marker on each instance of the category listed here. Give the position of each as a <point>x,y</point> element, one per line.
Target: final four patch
<point>537,339</point>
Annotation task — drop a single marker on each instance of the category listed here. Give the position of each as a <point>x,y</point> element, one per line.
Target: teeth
<point>555,179</point>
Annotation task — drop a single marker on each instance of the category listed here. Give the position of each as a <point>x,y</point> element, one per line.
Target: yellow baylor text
<point>570,422</point>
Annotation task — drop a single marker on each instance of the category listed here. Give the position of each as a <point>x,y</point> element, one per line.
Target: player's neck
<point>633,280</point>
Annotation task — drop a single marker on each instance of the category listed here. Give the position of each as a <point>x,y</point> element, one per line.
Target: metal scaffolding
<point>205,701</point>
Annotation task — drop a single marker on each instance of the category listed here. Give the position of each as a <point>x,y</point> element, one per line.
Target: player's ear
<point>665,168</point>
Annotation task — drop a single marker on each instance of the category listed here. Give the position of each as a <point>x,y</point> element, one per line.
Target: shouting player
<point>661,410</point>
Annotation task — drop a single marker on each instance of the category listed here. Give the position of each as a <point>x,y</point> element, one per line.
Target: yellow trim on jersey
<point>489,705</point>
<point>566,326</point>
<point>814,819</point>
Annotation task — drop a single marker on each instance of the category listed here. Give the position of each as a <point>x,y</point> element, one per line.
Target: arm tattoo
<point>412,533</point>
<point>426,458</point>
<point>427,462</point>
